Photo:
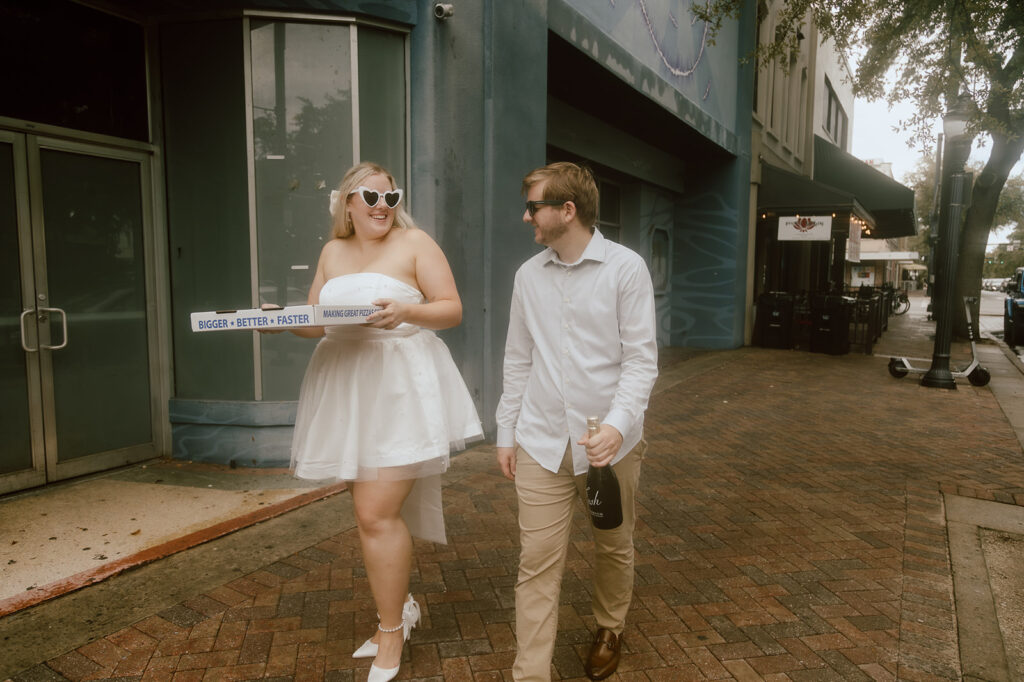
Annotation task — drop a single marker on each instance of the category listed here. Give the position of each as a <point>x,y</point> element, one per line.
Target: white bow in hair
<point>335,194</point>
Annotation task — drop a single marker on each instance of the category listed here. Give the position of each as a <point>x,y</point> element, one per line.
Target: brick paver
<point>791,527</point>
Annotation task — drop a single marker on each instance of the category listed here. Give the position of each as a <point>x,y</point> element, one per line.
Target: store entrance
<point>76,335</point>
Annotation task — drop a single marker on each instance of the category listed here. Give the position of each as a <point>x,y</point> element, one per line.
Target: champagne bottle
<point>603,497</point>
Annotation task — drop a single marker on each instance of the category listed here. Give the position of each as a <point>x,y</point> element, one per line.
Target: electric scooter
<point>974,372</point>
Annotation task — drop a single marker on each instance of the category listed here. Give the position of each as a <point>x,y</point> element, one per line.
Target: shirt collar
<point>596,250</point>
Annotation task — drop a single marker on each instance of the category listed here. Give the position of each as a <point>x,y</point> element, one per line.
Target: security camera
<point>443,10</point>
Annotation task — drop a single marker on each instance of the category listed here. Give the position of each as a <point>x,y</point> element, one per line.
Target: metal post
<point>939,374</point>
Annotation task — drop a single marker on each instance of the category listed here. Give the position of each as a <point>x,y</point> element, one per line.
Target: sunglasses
<point>533,206</point>
<point>372,197</point>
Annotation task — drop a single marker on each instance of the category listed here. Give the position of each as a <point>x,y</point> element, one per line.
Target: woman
<point>382,403</point>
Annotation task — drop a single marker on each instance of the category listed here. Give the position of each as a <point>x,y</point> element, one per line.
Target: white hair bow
<point>335,194</point>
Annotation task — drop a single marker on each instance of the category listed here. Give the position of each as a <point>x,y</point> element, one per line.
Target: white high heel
<point>386,674</point>
<point>382,675</point>
<point>410,616</point>
<point>410,619</point>
<point>367,650</point>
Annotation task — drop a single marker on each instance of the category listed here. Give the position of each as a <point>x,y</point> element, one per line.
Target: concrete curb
<point>107,570</point>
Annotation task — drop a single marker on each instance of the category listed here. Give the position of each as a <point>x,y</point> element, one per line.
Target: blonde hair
<point>567,182</point>
<point>342,227</point>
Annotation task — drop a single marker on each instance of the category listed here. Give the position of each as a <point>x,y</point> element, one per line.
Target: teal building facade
<point>177,155</point>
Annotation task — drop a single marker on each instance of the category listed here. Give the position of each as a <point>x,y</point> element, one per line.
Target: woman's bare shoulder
<point>418,238</point>
<point>334,245</point>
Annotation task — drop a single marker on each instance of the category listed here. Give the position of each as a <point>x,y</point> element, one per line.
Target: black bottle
<point>603,498</point>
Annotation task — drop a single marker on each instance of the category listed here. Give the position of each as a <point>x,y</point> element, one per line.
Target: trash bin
<point>830,324</point>
<point>773,326</point>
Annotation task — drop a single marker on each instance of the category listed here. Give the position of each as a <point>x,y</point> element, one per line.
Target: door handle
<point>64,326</point>
<point>24,345</point>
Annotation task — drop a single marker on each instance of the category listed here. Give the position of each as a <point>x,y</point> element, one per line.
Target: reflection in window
<point>609,218</point>
<point>835,117</point>
<point>302,144</point>
<point>661,252</point>
<point>303,132</point>
<point>382,106</point>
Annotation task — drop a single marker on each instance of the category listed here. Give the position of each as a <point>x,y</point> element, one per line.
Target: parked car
<point>1013,310</point>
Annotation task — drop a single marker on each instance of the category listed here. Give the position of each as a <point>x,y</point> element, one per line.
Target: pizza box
<point>320,315</point>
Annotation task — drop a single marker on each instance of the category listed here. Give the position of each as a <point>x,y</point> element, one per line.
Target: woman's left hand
<point>391,314</point>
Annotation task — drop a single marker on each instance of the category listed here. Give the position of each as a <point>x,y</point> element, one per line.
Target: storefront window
<point>304,133</point>
<point>609,220</point>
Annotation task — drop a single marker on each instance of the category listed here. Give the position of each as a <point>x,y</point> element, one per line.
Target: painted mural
<point>665,37</point>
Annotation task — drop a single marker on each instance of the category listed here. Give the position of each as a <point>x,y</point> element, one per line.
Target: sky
<point>874,138</point>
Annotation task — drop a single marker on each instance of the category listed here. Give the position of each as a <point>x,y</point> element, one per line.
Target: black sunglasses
<point>533,206</point>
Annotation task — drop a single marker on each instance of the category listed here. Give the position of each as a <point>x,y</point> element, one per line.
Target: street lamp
<point>954,188</point>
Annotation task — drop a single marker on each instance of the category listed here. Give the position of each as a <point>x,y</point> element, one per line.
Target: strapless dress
<point>383,403</point>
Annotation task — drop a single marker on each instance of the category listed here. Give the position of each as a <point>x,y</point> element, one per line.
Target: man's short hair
<point>567,181</point>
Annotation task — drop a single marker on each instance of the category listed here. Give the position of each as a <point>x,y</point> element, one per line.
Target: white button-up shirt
<point>581,343</point>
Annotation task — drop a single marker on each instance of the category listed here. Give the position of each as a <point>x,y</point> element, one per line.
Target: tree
<point>937,49</point>
<point>1009,213</point>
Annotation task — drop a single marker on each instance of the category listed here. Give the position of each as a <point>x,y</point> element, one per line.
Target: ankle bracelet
<point>394,629</point>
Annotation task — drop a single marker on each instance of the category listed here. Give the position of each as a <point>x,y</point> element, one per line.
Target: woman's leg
<point>387,554</point>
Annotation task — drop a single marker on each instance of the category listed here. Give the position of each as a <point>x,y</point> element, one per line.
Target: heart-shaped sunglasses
<point>372,197</point>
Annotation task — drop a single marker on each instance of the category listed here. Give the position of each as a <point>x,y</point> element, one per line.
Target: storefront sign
<point>807,228</point>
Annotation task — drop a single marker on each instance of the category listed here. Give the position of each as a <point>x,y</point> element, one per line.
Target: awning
<point>785,193</point>
<point>889,255</point>
<point>891,203</point>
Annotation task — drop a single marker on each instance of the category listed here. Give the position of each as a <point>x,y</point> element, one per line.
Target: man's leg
<point>545,518</point>
<point>613,566</point>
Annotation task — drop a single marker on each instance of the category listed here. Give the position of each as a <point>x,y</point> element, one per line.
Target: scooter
<point>974,372</point>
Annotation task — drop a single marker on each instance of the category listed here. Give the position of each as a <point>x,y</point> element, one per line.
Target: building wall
<point>478,126</point>
<point>654,45</point>
<point>209,221</point>
<point>791,107</point>
<point>833,67</point>
<point>483,111</point>
<point>691,153</point>
<point>783,99</point>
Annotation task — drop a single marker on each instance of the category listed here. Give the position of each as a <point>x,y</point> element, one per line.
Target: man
<point>581,342</point>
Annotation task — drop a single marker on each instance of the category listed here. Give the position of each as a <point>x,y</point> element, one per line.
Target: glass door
<point>22,460</point>
<point>84,324</point>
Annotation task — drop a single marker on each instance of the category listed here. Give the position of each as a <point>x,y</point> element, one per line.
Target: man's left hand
<point>602,446</point>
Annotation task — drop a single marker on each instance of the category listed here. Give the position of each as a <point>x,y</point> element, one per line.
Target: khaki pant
<point>546,504</point>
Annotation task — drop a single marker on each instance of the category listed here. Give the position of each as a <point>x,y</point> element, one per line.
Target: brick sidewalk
<point>791,527</point>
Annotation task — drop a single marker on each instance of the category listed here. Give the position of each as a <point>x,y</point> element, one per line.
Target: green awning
<point>891,203</point>
<point>783,192</point>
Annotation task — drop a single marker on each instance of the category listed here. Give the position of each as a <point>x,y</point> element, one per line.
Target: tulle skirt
<point>384,405</point>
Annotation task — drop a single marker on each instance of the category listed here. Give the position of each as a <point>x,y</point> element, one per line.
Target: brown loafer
<point>604,654</point>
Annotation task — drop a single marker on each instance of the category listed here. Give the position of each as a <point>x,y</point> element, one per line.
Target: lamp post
<point>954,188</point>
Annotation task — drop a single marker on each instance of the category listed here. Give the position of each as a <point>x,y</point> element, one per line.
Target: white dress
<point>383,404</point>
